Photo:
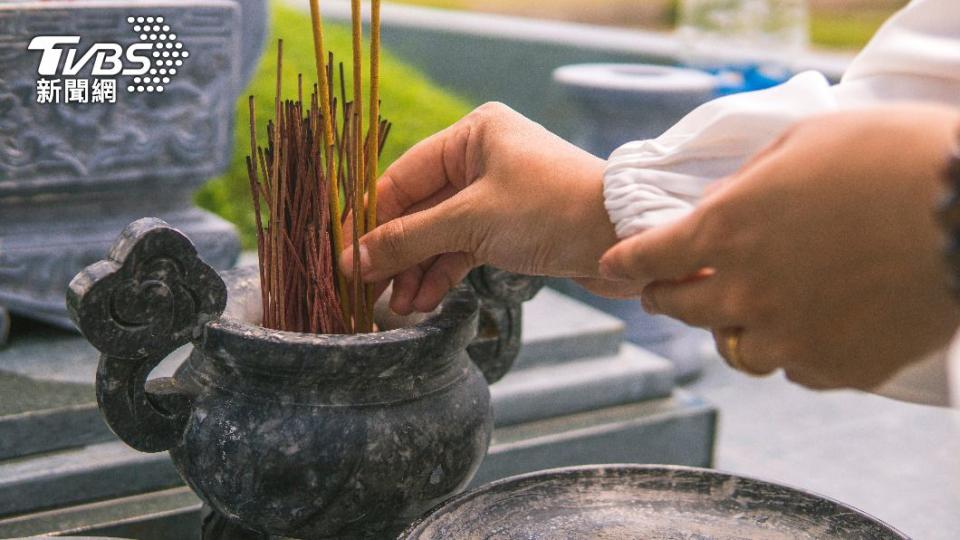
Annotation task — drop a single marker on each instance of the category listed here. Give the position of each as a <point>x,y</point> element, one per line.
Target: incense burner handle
<point>499,334</point>
<point>150,296</point>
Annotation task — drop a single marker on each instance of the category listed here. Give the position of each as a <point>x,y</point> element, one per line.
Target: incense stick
<point>312,161</point>
<point>373,155</point>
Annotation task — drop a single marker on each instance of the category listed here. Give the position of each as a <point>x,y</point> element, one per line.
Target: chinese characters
<point>76,90</point>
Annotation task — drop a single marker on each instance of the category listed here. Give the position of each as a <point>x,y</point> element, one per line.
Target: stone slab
<point>582,385</point>
<point>677,430</point>
<point>557,328</point>
<point>171,513</point>
<point>52,429</point>
<point>72,476</point>
<point>48,403</point>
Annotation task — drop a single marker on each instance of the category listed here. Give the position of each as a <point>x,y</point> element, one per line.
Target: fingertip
<point>401,301</point>
<point>429,296</point>
<point>346,261</point>
<point>648,301</point>
<point>425,303</point>
<point>610,267</point>
<point>399,306</point>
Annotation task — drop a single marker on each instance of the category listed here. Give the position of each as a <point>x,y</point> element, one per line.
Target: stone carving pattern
<point>183,132</point>
<point>150,296</point>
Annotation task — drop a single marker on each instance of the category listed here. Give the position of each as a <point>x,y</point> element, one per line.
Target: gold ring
<point>728,345</point>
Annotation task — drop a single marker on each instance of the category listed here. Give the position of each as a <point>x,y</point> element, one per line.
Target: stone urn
<point>280,433</point>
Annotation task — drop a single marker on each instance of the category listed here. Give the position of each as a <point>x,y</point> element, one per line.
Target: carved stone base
<point>39,258</point>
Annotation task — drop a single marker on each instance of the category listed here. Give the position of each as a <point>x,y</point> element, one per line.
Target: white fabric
<point>915,56</point>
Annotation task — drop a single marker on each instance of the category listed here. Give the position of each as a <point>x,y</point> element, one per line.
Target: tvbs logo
<point>150,63</point>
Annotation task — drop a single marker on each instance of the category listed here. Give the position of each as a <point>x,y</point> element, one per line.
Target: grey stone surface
<point>72,175</point>
<point>897,461</point>
<point>581,385</point>
<point>51,429</point>
<point>649,502</point>
<point>172,513</point>
<point>557,328</point>
<point>685,347</point>
<point>97,471</point>
<point>674,430</point>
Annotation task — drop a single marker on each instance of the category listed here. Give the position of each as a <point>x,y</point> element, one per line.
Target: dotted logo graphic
<point>167,56</point>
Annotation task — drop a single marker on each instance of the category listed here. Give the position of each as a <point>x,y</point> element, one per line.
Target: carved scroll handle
<point>150,296</point>
<point>502,295</point>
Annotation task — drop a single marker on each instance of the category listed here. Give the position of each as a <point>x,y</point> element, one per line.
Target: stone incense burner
<point>307,436</point>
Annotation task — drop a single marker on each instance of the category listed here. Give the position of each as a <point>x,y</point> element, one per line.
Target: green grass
<point>831,26</point>
<point>850,30</point>
<point>416,107</point>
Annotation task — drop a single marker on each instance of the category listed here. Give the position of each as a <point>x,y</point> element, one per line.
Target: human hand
<point>494,188</point>
<point>823,253</point>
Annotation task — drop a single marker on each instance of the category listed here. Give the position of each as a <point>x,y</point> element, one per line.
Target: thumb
<point>668,252</point>
<point>409,240</point>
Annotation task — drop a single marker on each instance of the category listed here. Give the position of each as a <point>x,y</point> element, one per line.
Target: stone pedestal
<point>577,395</point>
<point>74,173</point>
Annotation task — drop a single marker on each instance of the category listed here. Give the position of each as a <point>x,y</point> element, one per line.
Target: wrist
<point>594,233</point>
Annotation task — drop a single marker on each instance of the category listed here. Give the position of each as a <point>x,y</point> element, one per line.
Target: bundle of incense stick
<point>315,171</point>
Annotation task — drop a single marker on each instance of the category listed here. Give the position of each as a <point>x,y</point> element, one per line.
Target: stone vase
<point>280,433</point>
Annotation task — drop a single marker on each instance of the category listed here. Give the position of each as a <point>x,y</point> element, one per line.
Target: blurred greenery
<point>836,24</point>
<point>845,30</point>
<point>416,107</point>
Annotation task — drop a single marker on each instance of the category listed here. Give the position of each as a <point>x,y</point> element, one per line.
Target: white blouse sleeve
<point>915,56</point>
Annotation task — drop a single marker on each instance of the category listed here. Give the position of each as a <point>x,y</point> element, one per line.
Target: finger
<point>405,287</point>
<point>446,273</point>
<point>700,302</point>
<point>409,240</point>
<point>753,354</point>
<point>668,252</point>
<point>429,202</point>
<point>427,168</point>
<point>619,290</point>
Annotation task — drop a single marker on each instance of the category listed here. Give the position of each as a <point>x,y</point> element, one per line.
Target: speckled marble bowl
<point>644,502</point>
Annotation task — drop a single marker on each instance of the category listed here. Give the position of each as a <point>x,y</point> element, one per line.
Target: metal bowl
<point>648,502</point>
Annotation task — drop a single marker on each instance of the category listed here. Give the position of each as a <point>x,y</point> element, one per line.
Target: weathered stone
<point>643,501</point>
<point>168,514</point>
<point>582,385</point>
<point>71,174</point>
<point>71,476</point>
<point>677,430</point>
<point>687,348</point>
<point>557,329</point>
